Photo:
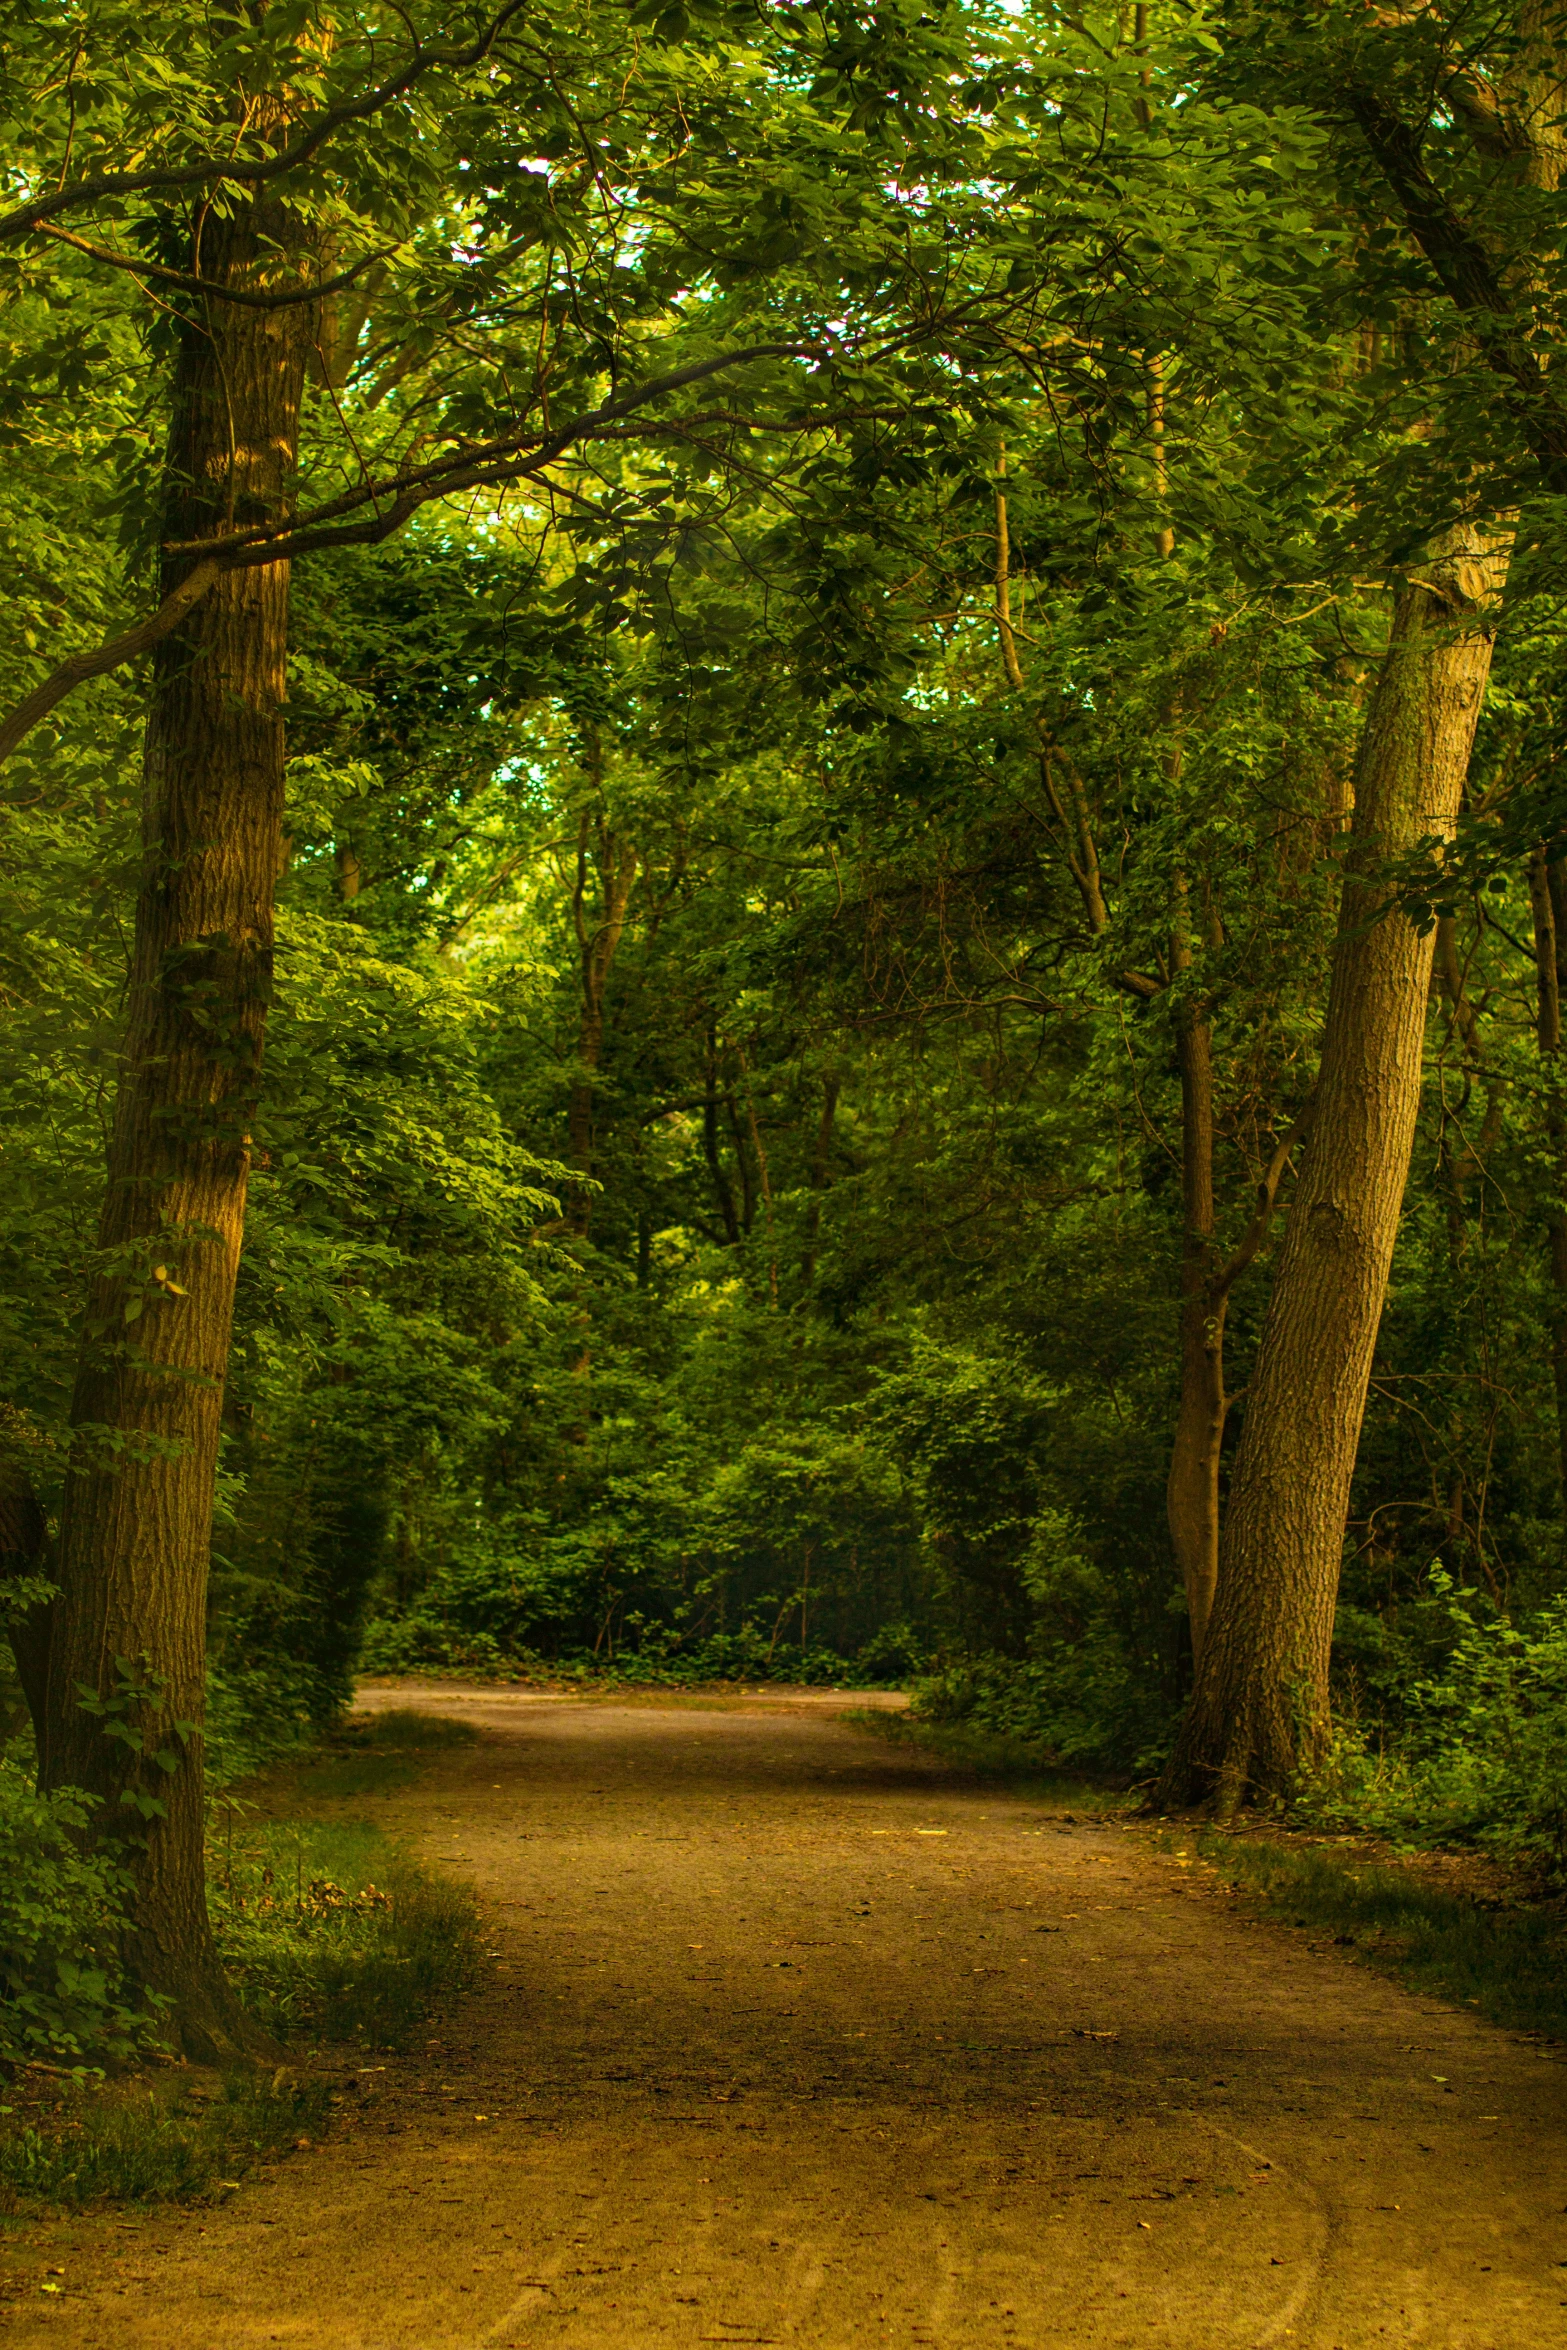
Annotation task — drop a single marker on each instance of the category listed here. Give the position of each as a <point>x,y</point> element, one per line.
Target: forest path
<point>795,2037</point>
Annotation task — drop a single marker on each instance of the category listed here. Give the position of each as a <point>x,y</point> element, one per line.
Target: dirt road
<point>793,2039</point>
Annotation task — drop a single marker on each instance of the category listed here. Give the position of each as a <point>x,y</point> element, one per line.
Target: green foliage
<point>1017,1764</point>
<point>143,2146</point>
<point>1079,1709</point>
<point>1482,1754</point>
<point>131,1715</point>
<point>63,1993</point>
<point>257,1713</point>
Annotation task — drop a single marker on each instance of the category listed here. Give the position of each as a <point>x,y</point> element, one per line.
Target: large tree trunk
<point>24,1534</point>
<point>1259,1709</point>
<point>135,1534</point>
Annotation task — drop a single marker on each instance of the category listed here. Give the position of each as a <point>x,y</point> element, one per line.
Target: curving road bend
<point>792,2037</point>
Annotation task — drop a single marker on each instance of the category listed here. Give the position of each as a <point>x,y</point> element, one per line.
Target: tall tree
<point>129,1627</point>
<point>1260,1706</point>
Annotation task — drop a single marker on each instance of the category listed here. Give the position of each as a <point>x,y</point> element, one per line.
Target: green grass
<point>370,1754</point>
<point>1026,1769</point>
<point>406,1729</point>
<point>331,1932</point>
<point>330,1928</point>
<point>133,2144</point>
<point>1508,1963</point>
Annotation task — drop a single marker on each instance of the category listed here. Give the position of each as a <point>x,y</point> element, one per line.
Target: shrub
<point>63,1996</point>
<point>416,1644</point>
<point>1080,1706</point>
<point>256,1713</point>
<point>1482,1753</point>
<point>143,2146</point>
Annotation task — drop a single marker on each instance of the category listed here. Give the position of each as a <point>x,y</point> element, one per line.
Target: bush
<point>1481,1756</point>
<point>414,1644</point>
<point>1080,1707</point>
<point>255,1714</point>
<point>63,1997</point>
<point>410,1644</point>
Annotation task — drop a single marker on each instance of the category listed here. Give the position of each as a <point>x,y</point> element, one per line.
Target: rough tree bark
<point>129,1624</point>
<point>1192,1504</point>
<point>29,1622</point>
<point>1259,1708</point>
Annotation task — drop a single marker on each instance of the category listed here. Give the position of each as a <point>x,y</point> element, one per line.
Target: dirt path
<point>793,2039</point>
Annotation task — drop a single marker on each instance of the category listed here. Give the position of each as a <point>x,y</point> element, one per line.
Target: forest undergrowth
<point>339,1944</point>
<point>696,954</point>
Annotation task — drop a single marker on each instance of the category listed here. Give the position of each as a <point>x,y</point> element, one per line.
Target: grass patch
<point>406,1730</point>
<point>330,1928</point>
<point>332,1932</point>
<point>368,1755</point>
<point>165,2144</point>
<point>1027,1770</point>
<point>1507,1960</point>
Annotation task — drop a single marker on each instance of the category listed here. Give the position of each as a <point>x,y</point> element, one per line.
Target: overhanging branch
<point>492,464</point>
<point>1470,277</point>
<point>210,169</point>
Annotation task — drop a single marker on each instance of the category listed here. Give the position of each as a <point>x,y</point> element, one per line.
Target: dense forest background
<point>793,879</point>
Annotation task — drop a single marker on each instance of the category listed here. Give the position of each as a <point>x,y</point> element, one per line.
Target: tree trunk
<point>821,1168</point>
<point>1259,1710</point>
<point>712,1145</point>
<point>24,1533</point>
<point>743,1164</point>
<point>616,865</point>
<point>136,1524</point>
<point>1192,1492</point>
<point>1548,897</point>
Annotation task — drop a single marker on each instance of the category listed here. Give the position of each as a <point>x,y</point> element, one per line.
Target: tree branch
<point>27,217</point>
<point>110,655</point>
<point>479,465</point>
<point>494,463</point>
<point>1262,1216</point>
<point>1469,276</point>
<point>209,286</point>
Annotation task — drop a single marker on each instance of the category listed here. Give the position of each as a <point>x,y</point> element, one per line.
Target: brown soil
<point>795,2037</point>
